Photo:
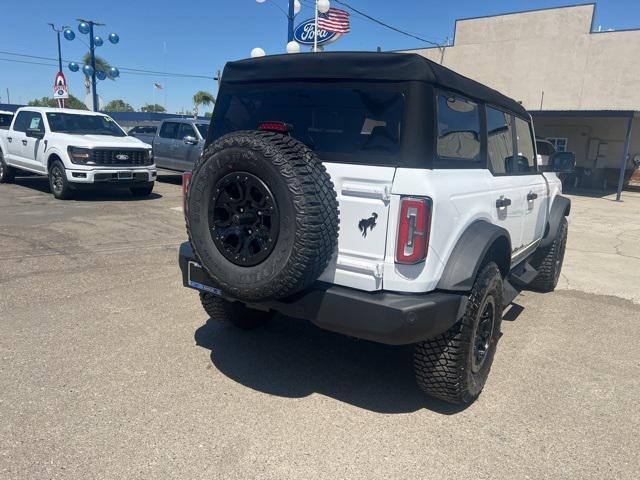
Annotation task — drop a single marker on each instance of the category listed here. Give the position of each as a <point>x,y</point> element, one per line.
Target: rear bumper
<point>384,317</point>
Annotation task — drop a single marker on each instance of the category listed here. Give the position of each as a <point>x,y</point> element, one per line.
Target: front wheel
<point>142,191</point>
<point>454,366</point>
<point>58,181</point>
<point>7,173</point>
<point>235,313</point>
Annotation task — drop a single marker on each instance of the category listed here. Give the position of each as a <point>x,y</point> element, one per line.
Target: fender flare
<point>472,247</point>
<point>560,208</point>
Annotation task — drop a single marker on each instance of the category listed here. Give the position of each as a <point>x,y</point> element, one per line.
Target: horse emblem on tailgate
<point>368,223</point>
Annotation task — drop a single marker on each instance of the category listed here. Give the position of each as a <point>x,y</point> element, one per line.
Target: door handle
<point>24,142</point>
<point>10,139</point>
<point>531,196</point>
<point>503,202</point>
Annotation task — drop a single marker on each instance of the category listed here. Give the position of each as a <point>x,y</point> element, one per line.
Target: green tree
<point>208,114</point>
<point>71,102</point>
<point>153,108</point>
<point>101,64</point>
<point>202,98</point>
<point>118,106</point>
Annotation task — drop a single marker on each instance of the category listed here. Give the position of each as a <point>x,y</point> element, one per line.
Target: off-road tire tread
<point>544,261</point>
<point>234,313</point>
<point>314,194</point>
<point>440,363</point>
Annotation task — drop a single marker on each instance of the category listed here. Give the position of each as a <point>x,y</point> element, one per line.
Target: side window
<point>22,121</point>
<point>458,142</point>
<point>186,130</point>
<point>35,122</point>
<point>526,157</point>
<point>169,130</point>
<point>499,140</point>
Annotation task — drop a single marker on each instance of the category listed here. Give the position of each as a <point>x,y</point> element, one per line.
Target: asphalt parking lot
<point>110,369</point>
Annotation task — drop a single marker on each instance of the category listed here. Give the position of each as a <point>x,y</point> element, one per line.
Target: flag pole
<point>315,33</point>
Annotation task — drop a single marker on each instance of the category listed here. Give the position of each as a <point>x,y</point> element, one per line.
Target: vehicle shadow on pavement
<point>173,178</point>
<point>292,358</point>
<point>88,193</point>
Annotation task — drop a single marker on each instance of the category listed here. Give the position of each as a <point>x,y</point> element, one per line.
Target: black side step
<point>509,292</point>
<point>524,273</point>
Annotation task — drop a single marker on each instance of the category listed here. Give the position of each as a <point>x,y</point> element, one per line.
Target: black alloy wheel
<point>483,335</point>
<point>243,219</point>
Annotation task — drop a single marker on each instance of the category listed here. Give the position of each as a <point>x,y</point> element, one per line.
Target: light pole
<point>61,101</point>
<point>87,27</point>
<point>293,9</point>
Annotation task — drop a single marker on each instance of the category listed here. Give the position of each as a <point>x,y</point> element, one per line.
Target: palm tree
<point>202,98</point>
<point>101,64</point>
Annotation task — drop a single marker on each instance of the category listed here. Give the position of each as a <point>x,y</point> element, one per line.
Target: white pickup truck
<point>75,148</point>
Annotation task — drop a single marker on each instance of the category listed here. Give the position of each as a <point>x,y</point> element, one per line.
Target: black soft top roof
<point>375,66</point>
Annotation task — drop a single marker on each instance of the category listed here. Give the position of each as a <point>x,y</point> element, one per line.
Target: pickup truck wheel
<point>548,261</point>
<point>58,181</point>
<point>454,366</point>
<point>7,173</point>
<point>262,215</point>
<point>235,313</point>
<point>142,191</point>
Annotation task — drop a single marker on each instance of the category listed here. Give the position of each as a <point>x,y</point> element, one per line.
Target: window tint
<point>458,142</point>
<point>499,140</point>
<point>203,128</point>
<point>22,121</point>
<point>169,130</point>
<point>526,158</point>
<point>360,124</point>
<point>83,124</point>
<point>5,120</point>
<point>186,130</point>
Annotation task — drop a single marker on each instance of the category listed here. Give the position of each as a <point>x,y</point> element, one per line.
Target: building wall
<point>551,51</point>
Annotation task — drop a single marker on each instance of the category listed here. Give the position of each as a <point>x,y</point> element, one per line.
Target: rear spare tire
<point>262,215</point>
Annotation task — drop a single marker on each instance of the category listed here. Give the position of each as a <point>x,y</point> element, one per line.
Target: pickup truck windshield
<point>83,124</point>
<point>345,124</point>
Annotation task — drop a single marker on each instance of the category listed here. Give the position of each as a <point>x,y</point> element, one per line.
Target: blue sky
<point>201,35</point>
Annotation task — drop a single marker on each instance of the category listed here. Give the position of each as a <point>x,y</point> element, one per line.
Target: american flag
<point>335,20</point>
<point>157,86</point>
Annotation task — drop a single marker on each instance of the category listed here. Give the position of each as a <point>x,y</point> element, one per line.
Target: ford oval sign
<point>305,32</point>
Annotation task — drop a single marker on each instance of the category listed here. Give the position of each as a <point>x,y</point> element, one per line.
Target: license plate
<point>199,279</point>
<point>125,175</point>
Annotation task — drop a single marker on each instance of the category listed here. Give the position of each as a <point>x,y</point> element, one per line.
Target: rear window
<point>5,120</point>
<point>356,125</point>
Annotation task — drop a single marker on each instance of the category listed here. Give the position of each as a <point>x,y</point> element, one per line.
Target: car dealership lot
<point>110,369</point>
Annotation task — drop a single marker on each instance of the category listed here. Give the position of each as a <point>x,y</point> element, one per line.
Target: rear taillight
<point>186,180</point>
<point>277,127</point>
<point>413,230</point>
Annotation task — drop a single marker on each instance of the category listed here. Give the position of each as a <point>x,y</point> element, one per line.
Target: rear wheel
<point>7,173</point>
<point>142,191</point>
<point>548,261</point>
<point>236,313</point>
<point>58,181</point>
<point>454,366</point>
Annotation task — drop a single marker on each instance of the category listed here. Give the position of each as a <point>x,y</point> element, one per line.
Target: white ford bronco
<point>378,195</point>
<point>75,148</point>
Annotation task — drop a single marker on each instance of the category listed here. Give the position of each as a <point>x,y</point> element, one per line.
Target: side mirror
<point>562,162</point>
<point>35,133</point>
<point>190,140</point>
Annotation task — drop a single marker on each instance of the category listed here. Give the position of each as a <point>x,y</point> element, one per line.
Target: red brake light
<point>413,230</point>
<point>278,127</point>
<point>186,180</point>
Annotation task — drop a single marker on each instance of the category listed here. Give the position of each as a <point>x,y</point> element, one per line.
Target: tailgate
<point>364,194</point>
